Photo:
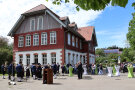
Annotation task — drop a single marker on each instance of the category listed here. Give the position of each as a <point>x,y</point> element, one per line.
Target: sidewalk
<point>89,82</point>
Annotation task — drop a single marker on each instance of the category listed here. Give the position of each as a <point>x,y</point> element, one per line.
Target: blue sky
<point>112,25</point>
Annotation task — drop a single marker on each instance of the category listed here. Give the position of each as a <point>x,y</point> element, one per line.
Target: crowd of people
<point>36,70</point>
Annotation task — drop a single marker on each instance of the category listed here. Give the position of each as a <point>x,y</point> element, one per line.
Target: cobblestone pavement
<point>89,82</point>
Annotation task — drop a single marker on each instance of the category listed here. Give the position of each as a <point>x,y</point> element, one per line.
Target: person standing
<point>34,71</point>
<point>9,72</point>
<point>31,69</point>
<point>100,69</point>
<point>22,75</point>
<point>27,71</point>
<point>12,68</point>
<point>54,70</point>
<point>3,70</point>
<point>93,69</point>
<point>63,69</point>
<point>58,67</point>
<point>90,68</point>
<point>80,70</point>
<point>39,72</point>
<point>19,70</point>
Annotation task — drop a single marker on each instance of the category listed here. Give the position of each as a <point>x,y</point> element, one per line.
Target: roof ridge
<point>30,10</point>
<point>86,26</point>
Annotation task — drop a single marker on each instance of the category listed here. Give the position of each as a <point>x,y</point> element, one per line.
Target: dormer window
<point>32,24</point>
<point>40,23</point>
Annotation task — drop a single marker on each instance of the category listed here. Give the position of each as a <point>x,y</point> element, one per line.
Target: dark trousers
<point>3,72</point>
<point>79,75</point>
<point>9,75</point>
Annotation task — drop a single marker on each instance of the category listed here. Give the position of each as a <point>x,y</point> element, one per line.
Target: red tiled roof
<point>37,8</point>
<point>86,32</point>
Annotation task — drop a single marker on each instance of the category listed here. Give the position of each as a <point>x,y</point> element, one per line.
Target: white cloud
<point>108,38</point>
<point>12,9</point>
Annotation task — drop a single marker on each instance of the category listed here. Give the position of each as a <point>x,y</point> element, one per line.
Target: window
<point>36,59</point>
<point>53,57</point>
<point>44,59</point>
<point>80,44</point>
<point>32,24</point>
<point>20,41</point>
<point>20,58</point>
<point>28,60</point>
<point>53,37</point>
<point>69,58</point>
<point>77,42</point>
<point>69,38</point>
<point>35,40</point>
<point>84,60</point>
<point>81,58</point>
<point>73,41</point>
<point>40,23</point>
<point>44,39</point>
<point>76,58</point>
<point>73,59</point>
<point>90,46</point>
<point>28,40</point>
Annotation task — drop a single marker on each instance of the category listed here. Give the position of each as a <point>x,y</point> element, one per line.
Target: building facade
<point>41,36</point>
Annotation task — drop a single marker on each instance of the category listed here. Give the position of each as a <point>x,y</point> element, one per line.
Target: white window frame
<point>35,40</point>
<point>53,58</point>
<point>76,59</point>
<point>27,59</point>
<point>20,41</point>
<point>44,38</point>
<point>77,42</point>
<point>44,59</point>
<point>28,40</point>
<point>38,28</point>
<point>53,37</point>
<point>69,58</point>
<point>69,39</point>
<point>21,58</point>
<point>73,41</point>
<point>31,24</point>
<point>35,58</point>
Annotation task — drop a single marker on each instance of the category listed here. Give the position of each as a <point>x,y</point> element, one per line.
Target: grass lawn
<point>5,74</point>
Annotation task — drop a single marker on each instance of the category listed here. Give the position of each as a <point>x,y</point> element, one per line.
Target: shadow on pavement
<point>55,84</point>
<point>87,78</point>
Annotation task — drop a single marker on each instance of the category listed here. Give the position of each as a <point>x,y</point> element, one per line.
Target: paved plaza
<point>89,82</point>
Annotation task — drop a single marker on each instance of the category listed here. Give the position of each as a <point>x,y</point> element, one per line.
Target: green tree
<point>3,42</point>
<point>113,57</point>
<point>93,4</point>
<point>100,52</point>
<point>6,54</point>
<point>131,30</point>
<point>128,55</point>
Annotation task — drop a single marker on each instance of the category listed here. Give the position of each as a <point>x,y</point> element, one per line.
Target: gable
<point>48,23</point>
